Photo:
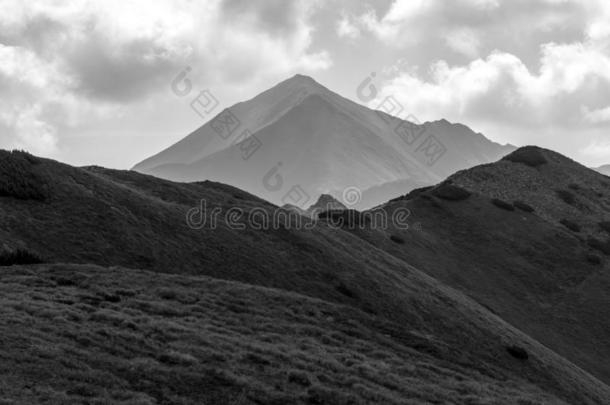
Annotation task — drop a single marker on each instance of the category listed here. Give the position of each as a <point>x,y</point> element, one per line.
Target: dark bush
<point>605,225</point>
<point>594,259</point>
<point>572,226</point>
<point>64,282</point>
<point>82,390</point>
<point>299,377</point>
<point>343,289</point>
<point>602,246</point>
<point>114,298</point>
<point>255,358</point>
<point>450,192</point>
<point>517,352</point>
<point>19,256</point>
<point>574,186</point>
<point>523,206</point>
<point>502,204</point>
<point>18,179</point>
<point>168,293</point>
<point>566,196</point>
<point>397,239</point>
<point>529,155</point>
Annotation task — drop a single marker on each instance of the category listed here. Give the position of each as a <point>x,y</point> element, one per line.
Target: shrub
<point>299,377</point>
<point>114,298</point>
<point>502,204</point>
<point>594,259</point>
<point>574,227</point>
<point>343,289</point>
<point>397,239</point>
<point>450,192</point>
<point>167,293</point>
<point>523,206</point>
<point>529,155</point>
<point>64,282</point>
<point>574,186</point>
<point>566,196</point>
<point>83,390</point>
<point>18,179</point>
<point>257,359</point>
<point>605,225</point>
<point>19,256</point>
<point>517,352</point>
<point>602,246</point>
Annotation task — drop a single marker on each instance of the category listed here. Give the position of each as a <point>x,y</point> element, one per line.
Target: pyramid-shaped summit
<point>299,135</point>
<point>326,202</point>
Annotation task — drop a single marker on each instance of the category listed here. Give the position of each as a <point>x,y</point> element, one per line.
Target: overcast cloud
<point>89,82</point>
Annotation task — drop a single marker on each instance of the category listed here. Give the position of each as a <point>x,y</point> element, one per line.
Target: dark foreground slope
<point>525,240</point>
<point>104,217</point>
<point>86,334</point>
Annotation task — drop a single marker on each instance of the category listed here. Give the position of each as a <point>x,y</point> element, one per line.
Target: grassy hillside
<point>106,217</point>
<point>506,244</point>
<point>86,334</point>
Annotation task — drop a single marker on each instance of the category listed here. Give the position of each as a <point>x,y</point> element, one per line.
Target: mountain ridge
<point>399,153</point>
<point>527,231</point>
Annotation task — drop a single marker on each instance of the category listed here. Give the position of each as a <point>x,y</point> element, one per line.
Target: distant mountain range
<point>301,139</point>
<point>605,169</point>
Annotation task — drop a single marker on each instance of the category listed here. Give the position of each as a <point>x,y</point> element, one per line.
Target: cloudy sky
<point>89,82</point>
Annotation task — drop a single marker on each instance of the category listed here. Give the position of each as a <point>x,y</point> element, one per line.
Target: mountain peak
<point>303,82</point>
<point>301,77</point>
<point>326,202</point>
